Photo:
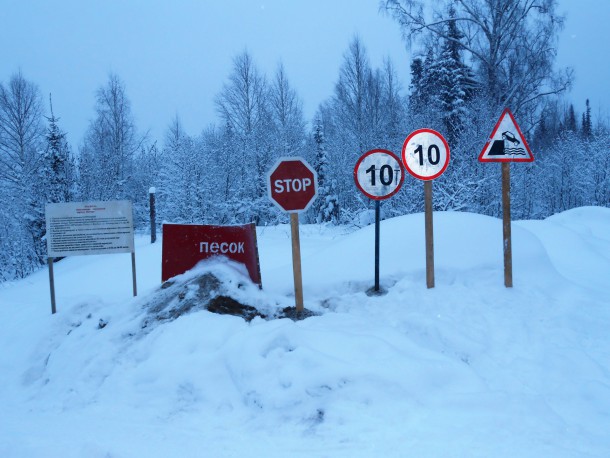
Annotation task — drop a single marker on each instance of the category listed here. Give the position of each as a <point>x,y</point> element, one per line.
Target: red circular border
<point>402,173</point>
<point>404,147</point>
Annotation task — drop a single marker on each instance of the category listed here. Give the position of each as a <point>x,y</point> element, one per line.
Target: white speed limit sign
<point>425,154</point>
<point>378,174</point>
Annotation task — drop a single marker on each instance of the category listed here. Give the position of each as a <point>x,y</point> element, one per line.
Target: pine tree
<point>58,171</point>
<point>179,182</point>
<point>570,123</point>
<point>326,206</point>
<point>511,43</point>
<point>541,134</point>
<point>587,126</point>
<point>431,78</point>
<point>455,80</point>
<point>417,93</point>
<point>425,102</point>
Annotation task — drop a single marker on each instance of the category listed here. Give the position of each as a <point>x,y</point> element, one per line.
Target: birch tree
<point>512,43</point>
<point>243,107</point>
<point>111,141</point>
<point>21,157</point>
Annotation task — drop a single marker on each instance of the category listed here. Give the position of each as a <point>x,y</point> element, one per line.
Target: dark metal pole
<point>377,217</point>
<point>52,283</point>
<point>429,234</point>
<point>153,224</point>
<point>133,273</point>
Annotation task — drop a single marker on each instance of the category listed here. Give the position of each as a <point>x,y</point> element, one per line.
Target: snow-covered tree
<point>366,111</point>
<point>58,171</point>
<point>352,92</point>
<point>110,144</point>
<point>243,104</point>
<point>287,115</point>
<point>587,125</point>
<point>511,43</point>
<point>180,179</point>
<point>326,205</point>
<point>570,123</point>
<point>455,80</point>
<point>21,159</point>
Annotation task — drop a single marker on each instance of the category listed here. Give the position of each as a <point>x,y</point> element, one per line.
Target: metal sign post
<point>429,228</point>
<point>377,224</point>
<point>133,273</point>
<point>379,175</point>
<point>52,285</point>
<point>153,214</point>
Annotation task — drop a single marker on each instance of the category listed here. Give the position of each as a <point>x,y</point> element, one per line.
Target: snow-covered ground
<point>467,369</point>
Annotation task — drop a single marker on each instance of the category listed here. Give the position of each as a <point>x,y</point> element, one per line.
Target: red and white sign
<point>292,184</point>
<point>184,245</point>
<point>425,154</point>
<point>379,174</point>
<point>506,142</point>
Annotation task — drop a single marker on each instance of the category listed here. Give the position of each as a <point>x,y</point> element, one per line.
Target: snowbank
<point>468,368</point>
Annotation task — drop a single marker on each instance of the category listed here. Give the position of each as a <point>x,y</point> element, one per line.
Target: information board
<point>81,228</point>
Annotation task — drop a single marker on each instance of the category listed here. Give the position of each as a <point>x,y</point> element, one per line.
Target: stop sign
<point>292,184</point>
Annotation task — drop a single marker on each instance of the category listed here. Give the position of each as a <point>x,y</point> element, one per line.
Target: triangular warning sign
<point>506,143</point>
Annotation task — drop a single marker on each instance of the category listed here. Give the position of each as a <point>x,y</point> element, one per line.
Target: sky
<point>174,57</point>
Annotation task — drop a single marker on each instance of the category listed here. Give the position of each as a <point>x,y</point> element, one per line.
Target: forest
<point>469,60</point>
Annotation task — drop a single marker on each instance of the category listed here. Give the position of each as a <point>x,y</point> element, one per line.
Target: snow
<point>467,369</point>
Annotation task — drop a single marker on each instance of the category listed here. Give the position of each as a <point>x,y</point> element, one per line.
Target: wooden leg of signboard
<point>377,217</point>
<point>133,273</point>
<point>52,284</point>
<point>429,234</point>
<point>296,261</point>
<point>507,243</point>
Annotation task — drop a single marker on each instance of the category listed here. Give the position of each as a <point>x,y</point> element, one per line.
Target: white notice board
<point>81,228</point>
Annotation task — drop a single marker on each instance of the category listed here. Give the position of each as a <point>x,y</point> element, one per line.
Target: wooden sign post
<point>296,261</point>
<point>292,184</point>
<point>506,230</point>
<point>425,155</point>
<point>506,144</point>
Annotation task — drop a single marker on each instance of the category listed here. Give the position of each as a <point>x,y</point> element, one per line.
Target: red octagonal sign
<point>292,184</point>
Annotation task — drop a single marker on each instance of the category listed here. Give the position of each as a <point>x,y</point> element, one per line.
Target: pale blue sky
<point>174,56</point>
